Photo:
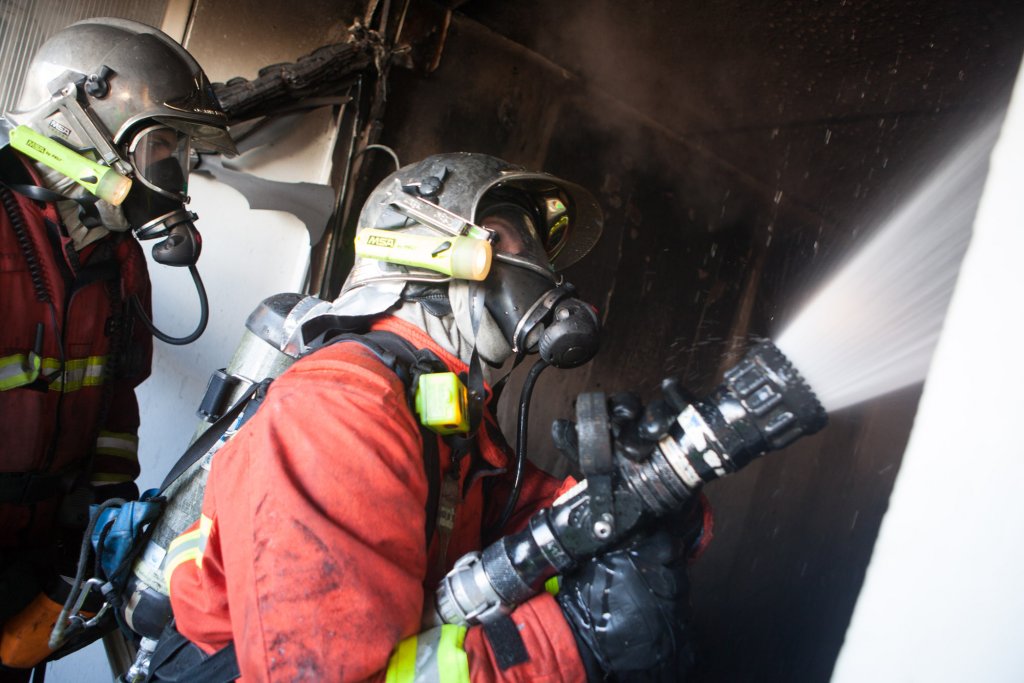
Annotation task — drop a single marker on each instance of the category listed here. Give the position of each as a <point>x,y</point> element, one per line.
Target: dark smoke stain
<point>330,570</point>
<point>310,535</point>
<point>290,652</point>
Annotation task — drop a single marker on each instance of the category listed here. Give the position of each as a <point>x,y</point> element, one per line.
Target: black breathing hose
<point>204,314</point>
<point>522,425</point>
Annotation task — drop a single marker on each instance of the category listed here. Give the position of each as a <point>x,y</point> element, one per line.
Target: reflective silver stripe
<point>80,372</point>
<point>119,444</point>
<point>434,656</point>
<point>182,549</point>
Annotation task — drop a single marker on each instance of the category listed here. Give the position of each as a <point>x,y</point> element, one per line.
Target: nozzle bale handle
<point>461,257</point>
<point>102,181</point>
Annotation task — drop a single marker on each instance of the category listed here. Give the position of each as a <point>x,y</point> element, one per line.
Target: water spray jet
<point>872,328</point>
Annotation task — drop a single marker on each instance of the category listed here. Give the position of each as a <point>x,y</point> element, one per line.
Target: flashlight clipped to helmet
<point>506,231</point>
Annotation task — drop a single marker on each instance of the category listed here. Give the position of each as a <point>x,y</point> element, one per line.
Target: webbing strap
<point>178,660</point>
<point>208,438</point>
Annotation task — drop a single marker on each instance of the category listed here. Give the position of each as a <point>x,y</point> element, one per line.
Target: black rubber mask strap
<point>475,379</point>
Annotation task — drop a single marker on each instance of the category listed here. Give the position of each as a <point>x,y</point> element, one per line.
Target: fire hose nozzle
<point>762,405</point>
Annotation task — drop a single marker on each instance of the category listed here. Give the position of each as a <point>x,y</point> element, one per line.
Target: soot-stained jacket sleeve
<point>316,513</point>
<point>310,551</point>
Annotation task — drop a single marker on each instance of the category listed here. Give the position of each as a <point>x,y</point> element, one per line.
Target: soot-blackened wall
<point>739,149</point>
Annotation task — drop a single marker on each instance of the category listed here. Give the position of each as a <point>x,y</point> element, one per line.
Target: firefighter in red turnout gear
<point>76,298</point>
<point>310,560</point>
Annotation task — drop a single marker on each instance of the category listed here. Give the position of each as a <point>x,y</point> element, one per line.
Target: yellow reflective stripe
<point>188,546</point>
<point>118,444</point>
<point>18,370</point>
<point>205,528</point>
<point>187,537</point>
<point>188,553</point>
<point>181,550</point>
<point>452,662</point>
<point>434,656</point>
<point>402,665</point>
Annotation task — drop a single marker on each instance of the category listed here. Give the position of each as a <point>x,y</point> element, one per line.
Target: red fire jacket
<point>65,320</point>
<point>310,553</point>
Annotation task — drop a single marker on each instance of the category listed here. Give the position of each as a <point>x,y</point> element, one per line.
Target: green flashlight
<point>462,257</point>
<point>102,181</point>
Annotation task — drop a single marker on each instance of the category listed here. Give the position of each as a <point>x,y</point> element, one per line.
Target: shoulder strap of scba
<point>177,659</point>
<point>399,355</point>
<point>408,363</point>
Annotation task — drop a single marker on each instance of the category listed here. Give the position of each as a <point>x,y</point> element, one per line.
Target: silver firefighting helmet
<point>135,99</point>
<point>537,225</point>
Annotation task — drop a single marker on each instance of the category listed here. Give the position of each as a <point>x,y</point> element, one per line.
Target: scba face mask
<point>155,206</point>
<point>535,310</point>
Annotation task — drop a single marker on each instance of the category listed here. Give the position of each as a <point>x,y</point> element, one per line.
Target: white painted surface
<point>247,256</point>
<point>943,597</point>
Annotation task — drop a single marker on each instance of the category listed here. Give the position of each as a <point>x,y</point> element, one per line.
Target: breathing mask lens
<point>556,220</point>
<point>518,242</point>
<point>160,156</point>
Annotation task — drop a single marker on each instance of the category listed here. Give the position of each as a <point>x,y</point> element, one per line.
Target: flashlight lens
<point>113,187</point>
<point>470,258</point>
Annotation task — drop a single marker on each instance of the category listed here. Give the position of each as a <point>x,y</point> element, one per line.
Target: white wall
<point>247,256</point>
<point>944,594</point>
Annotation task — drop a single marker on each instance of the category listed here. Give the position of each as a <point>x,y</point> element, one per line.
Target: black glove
<point>629,610</point>
<point>635,430</point>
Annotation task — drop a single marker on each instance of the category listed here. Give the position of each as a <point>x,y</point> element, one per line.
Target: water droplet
<point>778,196</point>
